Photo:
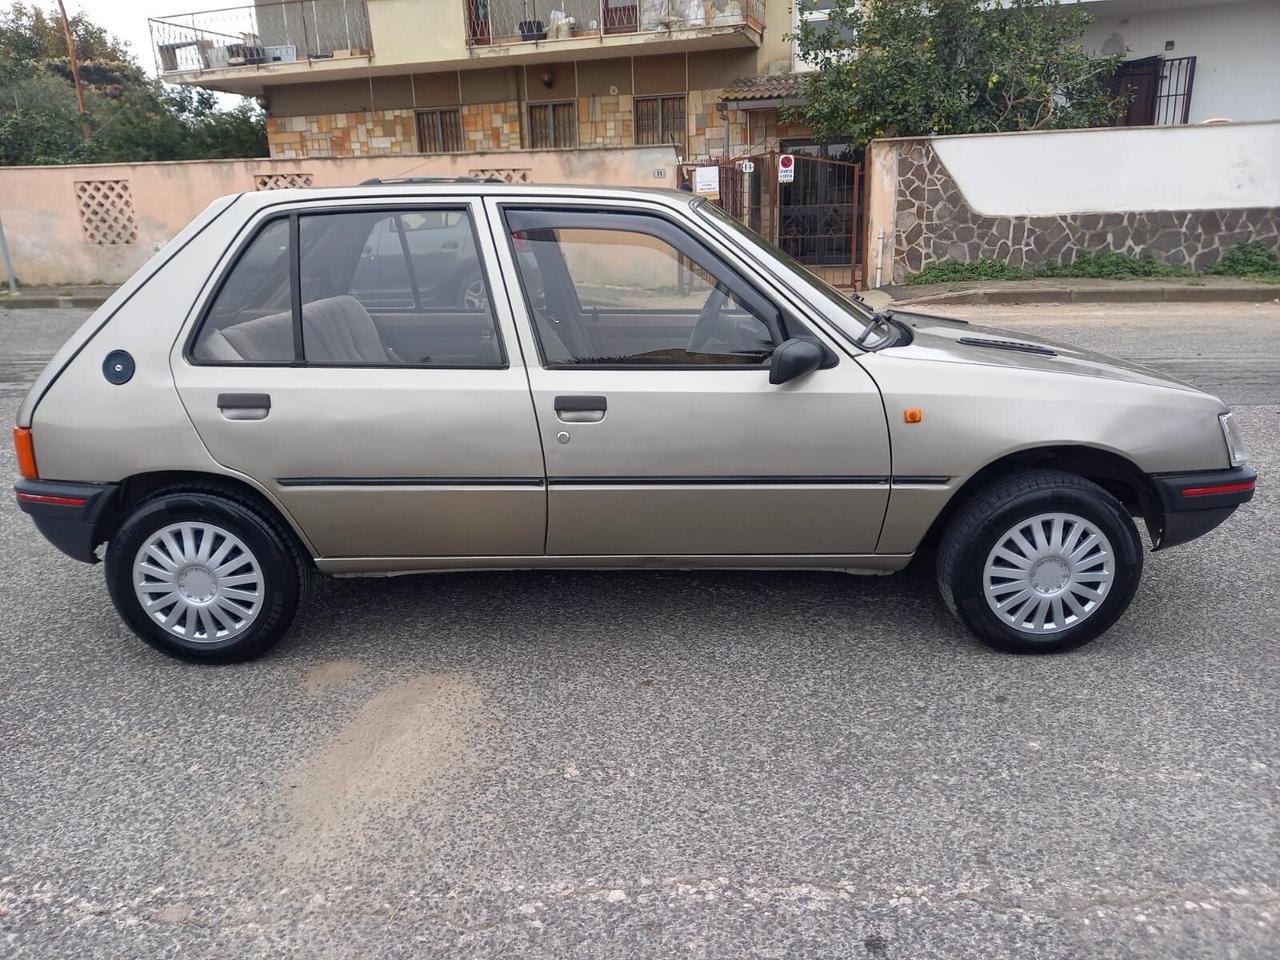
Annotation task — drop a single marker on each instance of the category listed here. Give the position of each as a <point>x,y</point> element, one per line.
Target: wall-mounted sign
<point>747,166</point>
<point>786,167</point>
<point>706,181</point>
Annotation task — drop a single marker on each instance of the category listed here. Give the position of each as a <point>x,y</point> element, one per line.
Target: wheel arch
<point>1115,473</point>
<point>134,489</point>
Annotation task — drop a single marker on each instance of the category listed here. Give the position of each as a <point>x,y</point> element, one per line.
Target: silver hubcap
<point>1048,573</point>
<point>474,298</point>
<point>199,582</point>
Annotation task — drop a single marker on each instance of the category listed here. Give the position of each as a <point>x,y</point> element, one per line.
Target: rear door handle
<point>581,409</point>
<point>244,406</point>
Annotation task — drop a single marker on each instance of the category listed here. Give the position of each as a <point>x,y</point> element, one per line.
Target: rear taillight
<point>26,450</point>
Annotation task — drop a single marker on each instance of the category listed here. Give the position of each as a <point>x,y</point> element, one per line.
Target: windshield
<point>850,317</point>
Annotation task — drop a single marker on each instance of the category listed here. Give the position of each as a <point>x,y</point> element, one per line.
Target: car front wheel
<point>206,575</point>
<point>1041,562</point>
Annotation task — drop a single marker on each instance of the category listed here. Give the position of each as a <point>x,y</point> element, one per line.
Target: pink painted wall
<point>40,207</point>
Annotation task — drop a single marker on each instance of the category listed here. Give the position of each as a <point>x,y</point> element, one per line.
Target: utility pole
<point>85,132</point>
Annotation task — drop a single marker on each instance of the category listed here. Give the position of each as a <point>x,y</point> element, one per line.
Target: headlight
<point>1235,443</point>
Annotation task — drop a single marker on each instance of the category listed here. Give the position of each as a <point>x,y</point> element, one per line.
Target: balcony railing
<point>518,21</point>
<point>273,31</point>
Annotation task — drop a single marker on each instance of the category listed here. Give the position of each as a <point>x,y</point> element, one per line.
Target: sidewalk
<point>1185,289</point>
<point>68,296</point>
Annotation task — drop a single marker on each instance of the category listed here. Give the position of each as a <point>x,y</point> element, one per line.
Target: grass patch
<point>1113,266</point>
<point>1252,261</point>
<point>949,271</point>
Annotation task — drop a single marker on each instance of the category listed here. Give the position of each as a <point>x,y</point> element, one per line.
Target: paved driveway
<point>670,765</point>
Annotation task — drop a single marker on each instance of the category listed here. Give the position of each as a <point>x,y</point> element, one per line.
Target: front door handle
<point>581,409</point>
<point>244,406</point>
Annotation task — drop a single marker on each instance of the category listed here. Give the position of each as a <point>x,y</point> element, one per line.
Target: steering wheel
<point>712,324</point>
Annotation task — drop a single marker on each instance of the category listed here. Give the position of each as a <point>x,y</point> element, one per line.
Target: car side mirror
<point>794,358</point>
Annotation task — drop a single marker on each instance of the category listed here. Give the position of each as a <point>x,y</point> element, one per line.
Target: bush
<point>1254,260</point>
<point>949,271</point>
<point>1247,260</point>
<point>1112,266</point>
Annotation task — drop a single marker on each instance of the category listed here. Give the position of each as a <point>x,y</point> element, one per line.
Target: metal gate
<point>816,218</point>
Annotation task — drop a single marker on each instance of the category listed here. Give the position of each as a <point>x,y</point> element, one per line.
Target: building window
<point>553,125</point>
<point>440,131</point>
<point>659,120</point>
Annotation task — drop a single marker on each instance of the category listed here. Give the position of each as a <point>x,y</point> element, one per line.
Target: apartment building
<point>376,77</point>
<point>1191,61</point>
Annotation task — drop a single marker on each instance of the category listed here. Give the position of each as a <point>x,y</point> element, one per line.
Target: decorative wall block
<point>281,181</point>
<point>106,212</point>
<point>506,174</point>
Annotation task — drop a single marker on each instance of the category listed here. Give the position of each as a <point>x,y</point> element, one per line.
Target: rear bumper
<point>72,516</point>
<point>1195,503</point>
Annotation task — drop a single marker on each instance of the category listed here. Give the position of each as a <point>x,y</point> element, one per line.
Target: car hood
<point>943,339</point>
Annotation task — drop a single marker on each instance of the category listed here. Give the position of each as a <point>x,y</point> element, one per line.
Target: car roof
<point>432,189</point>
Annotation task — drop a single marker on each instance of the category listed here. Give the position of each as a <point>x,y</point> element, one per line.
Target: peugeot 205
<point>434,376</point>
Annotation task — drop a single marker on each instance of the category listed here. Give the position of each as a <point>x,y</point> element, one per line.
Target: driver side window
<point>634,290</point>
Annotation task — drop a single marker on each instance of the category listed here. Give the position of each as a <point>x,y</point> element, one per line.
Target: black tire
<point>285,569</point>
<point>978,524</point>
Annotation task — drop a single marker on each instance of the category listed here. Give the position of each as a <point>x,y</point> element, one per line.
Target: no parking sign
<point>786,167</point>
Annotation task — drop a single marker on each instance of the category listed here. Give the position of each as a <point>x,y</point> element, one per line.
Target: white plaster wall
<point>1236,46</point>
<point>1215,167</point>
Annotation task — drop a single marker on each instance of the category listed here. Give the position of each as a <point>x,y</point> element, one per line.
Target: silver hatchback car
<point>430,376</point>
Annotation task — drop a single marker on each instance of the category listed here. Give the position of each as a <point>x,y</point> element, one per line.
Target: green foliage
<point>131,117</point>
<point>1112,266</point>
<point>1098,266</point>
<point>30,33</point>
<point>917,67</point>
<point>950,271</point>
<point>1249,260</point>
<point>1253,260</point>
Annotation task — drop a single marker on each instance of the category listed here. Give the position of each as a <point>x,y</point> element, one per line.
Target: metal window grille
<point>659,120</point>
<point>440,131</point>
<point>553,125</point>
<point>1173,101</point>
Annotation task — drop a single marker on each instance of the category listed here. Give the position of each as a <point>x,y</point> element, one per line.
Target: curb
<point>1180,294</point>
<point>33,303</point>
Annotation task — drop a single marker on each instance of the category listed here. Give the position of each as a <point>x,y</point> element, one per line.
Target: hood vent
<point>1009,345</point>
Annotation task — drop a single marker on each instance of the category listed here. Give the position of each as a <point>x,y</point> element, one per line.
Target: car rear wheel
<point>206,575</point>
<point>1041,562</point>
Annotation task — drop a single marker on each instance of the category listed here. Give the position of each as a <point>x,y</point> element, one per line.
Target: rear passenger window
<point>395,287</point>
<point>250,318</point>
<point>379,288</point>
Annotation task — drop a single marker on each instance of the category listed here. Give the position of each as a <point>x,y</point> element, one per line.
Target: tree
<point>132,117</point>
<point>917,67</point>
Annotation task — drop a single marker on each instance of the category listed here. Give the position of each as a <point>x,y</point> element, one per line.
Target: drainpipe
<point>8,264</point>
<point>879,255</point>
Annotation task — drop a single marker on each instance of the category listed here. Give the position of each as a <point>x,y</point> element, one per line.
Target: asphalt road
<point>664,765</point>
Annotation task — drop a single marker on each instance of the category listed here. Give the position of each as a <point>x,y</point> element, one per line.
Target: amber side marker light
<point>26,452</point>
<point>1238,487</point>
<point>912,415</point>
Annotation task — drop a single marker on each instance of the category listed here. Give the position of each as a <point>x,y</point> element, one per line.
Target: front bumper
<point>72,516</point>
<point>1195,503</point>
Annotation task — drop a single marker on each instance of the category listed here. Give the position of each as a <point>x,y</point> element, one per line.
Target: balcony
<point>272,32</point>
<point>500,23</point>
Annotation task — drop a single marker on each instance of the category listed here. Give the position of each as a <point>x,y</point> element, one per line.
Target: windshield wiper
<point>881,318</point>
